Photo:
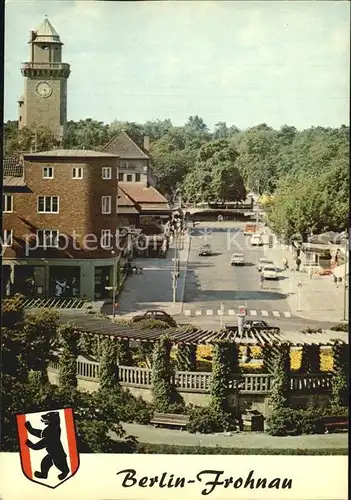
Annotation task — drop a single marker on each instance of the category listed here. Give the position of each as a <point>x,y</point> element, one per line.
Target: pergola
<point>182,335</point>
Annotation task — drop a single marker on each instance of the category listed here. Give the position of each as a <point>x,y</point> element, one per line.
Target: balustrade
<point>254,383</point>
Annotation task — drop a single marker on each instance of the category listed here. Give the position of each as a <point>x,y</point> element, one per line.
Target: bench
<point>170,419</point>
<point>332,423</point>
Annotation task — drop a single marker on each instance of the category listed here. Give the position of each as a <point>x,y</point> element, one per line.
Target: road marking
<point>264,313</point>
<point>287,314</point>
<point>253,313</point>
<point>187,312</point>
<point>198,313</point>
<point>209,312</point>
<point>231,312</point>
<point>276,314</point>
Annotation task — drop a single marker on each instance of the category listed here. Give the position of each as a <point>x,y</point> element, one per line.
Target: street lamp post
<point>114,284</point>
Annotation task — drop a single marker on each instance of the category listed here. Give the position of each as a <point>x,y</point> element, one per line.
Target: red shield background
<point>31,459</point>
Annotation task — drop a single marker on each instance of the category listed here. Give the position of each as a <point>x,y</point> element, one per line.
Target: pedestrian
<point>337,255</point>
<point>285,263</point>
<point>298,264</point>
<point>261,280</point>
<point>336,281</point>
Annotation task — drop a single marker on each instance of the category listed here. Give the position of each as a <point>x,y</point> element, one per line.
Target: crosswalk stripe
<point>287,314</point>
<point>198,313</point>
<point>253,312</point>
<point>187,312</point>
<point>276,314</point>
<point>231,312</point>
<point>209,312</point>
<point>264,313</point>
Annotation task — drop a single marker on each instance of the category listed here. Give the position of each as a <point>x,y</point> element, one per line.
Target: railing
<point>45,65</point>
<point>193,381</point>
<point>314,382</point>
<point>247,383</point>
<point>129,375</point>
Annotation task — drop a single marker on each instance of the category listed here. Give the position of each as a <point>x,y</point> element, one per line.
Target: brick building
<point>59,224</point>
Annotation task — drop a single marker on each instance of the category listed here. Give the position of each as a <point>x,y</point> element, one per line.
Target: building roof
<point>123,199</point>
<point>142,194</point>
<point>124,146</point>
<point>11,181</point>
<point>11,167</point>
<point>45,32</point>
<point>156,207</point>
<point>71,153</point>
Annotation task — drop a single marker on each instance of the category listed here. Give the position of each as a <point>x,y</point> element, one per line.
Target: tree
<point>86,134</point>
<point>221,372</point>
<point>196,123</point>
<point>28,139</point>
<point>281,379</point>
<point>215,176</point>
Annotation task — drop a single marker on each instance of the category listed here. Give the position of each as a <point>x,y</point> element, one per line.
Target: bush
<point>294,422</point>
<point>122,406</point>
<point>207,420</point>
<point>340,327</point>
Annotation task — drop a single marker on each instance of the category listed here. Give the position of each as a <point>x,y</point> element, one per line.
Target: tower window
<point>77,173</point>
<point>106,172</point>
<point>45,47</point>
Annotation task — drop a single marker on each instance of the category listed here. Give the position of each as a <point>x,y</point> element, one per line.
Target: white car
<point>237,259</point>
<point>264,261</point>
<point>269,273</point>
<point>256,240</point>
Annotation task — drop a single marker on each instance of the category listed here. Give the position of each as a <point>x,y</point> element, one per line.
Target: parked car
<point>237,259</point>
<point>155,314</point>
<point>250,229</point>
<point>264,261</point>
<point>258,324</point>
<point>269,273</point>
<point>256,240</point>
<point>205,249</point>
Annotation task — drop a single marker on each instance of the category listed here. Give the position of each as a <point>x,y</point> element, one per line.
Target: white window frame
<point>106,204</point>
<point>137,173</point>
<point>51,203</point>
<point>106,238</point>
<point>129,180</point>
<point>45,176</point>
<point>51,235</point>
<point>7,234</point>
<point>122,175</point>
<point>6,198</point>
<point>77,170</point>
<point>106,173</point>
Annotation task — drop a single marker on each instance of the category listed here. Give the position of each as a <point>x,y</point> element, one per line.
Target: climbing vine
<point>339,396</point>
<point>186,357</point>
<point>124,354</point>
<point>69,338</point>
<point>281,379</point>
<point>310,359</point>
<point>108,372</point>
<point>268,357</point>
<point>221,372</point>
<point>162,375</point>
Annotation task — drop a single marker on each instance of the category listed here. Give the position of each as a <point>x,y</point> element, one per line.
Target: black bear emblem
<point>51,441</point>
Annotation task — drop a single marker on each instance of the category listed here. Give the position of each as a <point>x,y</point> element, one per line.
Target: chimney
<point>146,143</point>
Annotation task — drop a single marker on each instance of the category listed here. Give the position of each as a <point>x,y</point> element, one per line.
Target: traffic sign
<point>241,311</point>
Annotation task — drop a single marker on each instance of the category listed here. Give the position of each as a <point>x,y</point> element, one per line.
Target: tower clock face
<point>44,89</point>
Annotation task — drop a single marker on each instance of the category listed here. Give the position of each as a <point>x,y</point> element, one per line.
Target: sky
<point>241,62</point>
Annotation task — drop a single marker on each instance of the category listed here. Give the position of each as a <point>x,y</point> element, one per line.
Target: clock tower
<point>44,103</point>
